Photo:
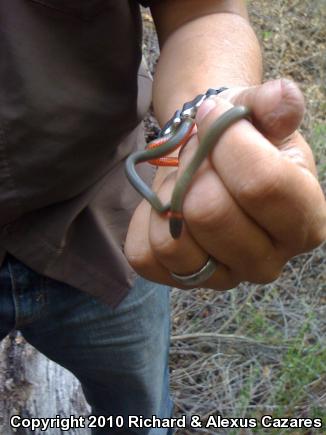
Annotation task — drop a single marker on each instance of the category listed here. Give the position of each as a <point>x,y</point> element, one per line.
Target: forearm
<point>219,49</point>
<point>255,202</point>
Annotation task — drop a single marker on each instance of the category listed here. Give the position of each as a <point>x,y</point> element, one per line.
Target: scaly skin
<point>174,208</point>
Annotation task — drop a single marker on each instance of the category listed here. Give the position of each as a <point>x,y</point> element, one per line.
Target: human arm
<point>256,202</point>
<point>203,44</point>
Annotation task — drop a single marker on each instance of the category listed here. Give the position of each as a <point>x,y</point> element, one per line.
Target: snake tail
<point>175,225</point>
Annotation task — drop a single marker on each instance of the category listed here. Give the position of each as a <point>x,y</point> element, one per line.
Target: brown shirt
<point>72,94</point>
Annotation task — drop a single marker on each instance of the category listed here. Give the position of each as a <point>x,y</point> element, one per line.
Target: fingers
<point>183,256</point>
<point>219,225</point>
<point>273,191</point>
<point>216,227</point>
<point>138,251</point>
<point>277,107</point>
<point>151,256</point>
<point>277,110</point>
<point>222,229</point>
<point>253,203</point>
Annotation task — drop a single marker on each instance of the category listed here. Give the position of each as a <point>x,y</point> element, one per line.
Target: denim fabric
<point>119,355</point>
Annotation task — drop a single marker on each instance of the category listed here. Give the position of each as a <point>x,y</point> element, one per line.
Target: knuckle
<point>263,268</point>
<point>265,183</point>
<point>139,257</point>
<point>317,238</point>
<point>137,261</point>
<point>208,211</point>
<point>163,247</point>
<point>231,284</point>
<point>266,275</point>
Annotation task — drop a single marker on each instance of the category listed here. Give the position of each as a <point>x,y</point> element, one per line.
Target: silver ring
<point>198,277</point>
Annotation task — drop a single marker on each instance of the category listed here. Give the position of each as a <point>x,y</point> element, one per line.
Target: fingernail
<point>204,109</point>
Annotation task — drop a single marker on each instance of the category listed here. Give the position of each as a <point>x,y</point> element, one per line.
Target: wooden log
<point>33,386</point>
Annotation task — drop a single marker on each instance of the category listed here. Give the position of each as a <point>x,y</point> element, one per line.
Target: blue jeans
<point>119,355</point>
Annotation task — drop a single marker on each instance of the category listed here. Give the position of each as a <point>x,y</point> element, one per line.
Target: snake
<point>156,153</point>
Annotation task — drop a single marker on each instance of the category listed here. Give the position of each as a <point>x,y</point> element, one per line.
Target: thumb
<point>277,107</point>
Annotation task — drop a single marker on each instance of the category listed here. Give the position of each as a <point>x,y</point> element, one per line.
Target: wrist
<point>211,51</point>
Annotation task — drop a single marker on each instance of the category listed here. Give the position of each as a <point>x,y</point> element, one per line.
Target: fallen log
<point>32,386</point>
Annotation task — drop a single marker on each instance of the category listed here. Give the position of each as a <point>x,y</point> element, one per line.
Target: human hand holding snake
<point>252,205</point>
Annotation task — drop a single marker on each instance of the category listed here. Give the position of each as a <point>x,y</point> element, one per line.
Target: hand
<point>253,205</point>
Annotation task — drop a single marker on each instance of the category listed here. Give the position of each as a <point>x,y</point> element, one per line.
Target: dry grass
<point>261,349</point>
